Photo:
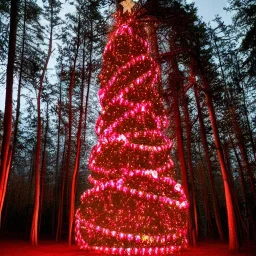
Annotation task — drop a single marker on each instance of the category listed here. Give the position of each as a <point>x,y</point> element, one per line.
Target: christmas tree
<point>134,206</point>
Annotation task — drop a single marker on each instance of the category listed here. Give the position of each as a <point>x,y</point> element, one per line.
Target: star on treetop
<point>127,5</point>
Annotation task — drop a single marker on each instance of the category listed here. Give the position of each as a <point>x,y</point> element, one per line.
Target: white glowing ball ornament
<point>152,173</point>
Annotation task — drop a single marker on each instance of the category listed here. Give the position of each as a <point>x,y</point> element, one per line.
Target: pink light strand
<point>108,134</point>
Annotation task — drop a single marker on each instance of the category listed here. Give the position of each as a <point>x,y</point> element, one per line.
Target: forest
<point>47,129</point>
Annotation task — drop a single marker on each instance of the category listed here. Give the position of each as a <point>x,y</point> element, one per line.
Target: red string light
<point>134,207</point>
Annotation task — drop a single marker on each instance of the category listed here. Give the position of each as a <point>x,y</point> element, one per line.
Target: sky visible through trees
<point>206,8</point>
<point>57,142</point>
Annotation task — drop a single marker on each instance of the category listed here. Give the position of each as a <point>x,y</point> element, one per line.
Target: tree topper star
<point>127,5</point>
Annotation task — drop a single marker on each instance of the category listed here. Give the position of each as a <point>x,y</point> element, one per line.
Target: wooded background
<point>47,128</point>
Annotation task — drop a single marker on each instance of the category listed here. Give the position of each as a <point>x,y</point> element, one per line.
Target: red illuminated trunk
<point>193,204</point>
<point>232,225</point>
<point>74,176</point>
<point>70,113</point>
<point>43,166</point>
<point>56,192</point>
<point>180,149</point>
<point>70,121</point>
<point>209,165</point>
<point>65,189</point>
<point>62,190</point>
<point>79,131</point>
<point>236,124</point>
<point>176,89</point>
<point>5,151</point>
<point>34,226</point>
<point>241,226</point>
<point>250,224</point>
<point>243,151</point>
<point>175,83</point>
<point>180,142</point>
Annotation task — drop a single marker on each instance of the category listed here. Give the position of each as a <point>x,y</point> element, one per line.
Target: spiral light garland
<point>134,206</point>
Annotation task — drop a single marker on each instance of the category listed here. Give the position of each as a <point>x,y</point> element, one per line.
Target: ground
<point>49,248</point>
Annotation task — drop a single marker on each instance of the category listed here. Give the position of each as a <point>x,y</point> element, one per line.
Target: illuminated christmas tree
<point>134,207</point>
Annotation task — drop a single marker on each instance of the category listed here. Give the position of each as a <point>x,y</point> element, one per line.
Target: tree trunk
<point>78,150</point>
<point>246,113</point>
<point>34,227</point>
<point>209,165</point>
<point>76,167</point>
<point>180,142</point>
<point>241,146</point>
<point>232,225</point>
<point>6,207</point>
<point>193,204</point>
<point>29,192</point>
<point>180,149</point>
<point>241,226</point>
<point>15,133</point>
<point>5,151</point>
<point>57,156</point>
<point>240,171</point>
<point>250,224</point>
<point>176,85</point>
<point>235,122</point>
<point>6,177</point>
<point>43,165</point>
<point>74,176</point>
<point>62,192</point>
<point>70,118</point>
<point>203,180</point>
<point>70,113</point>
